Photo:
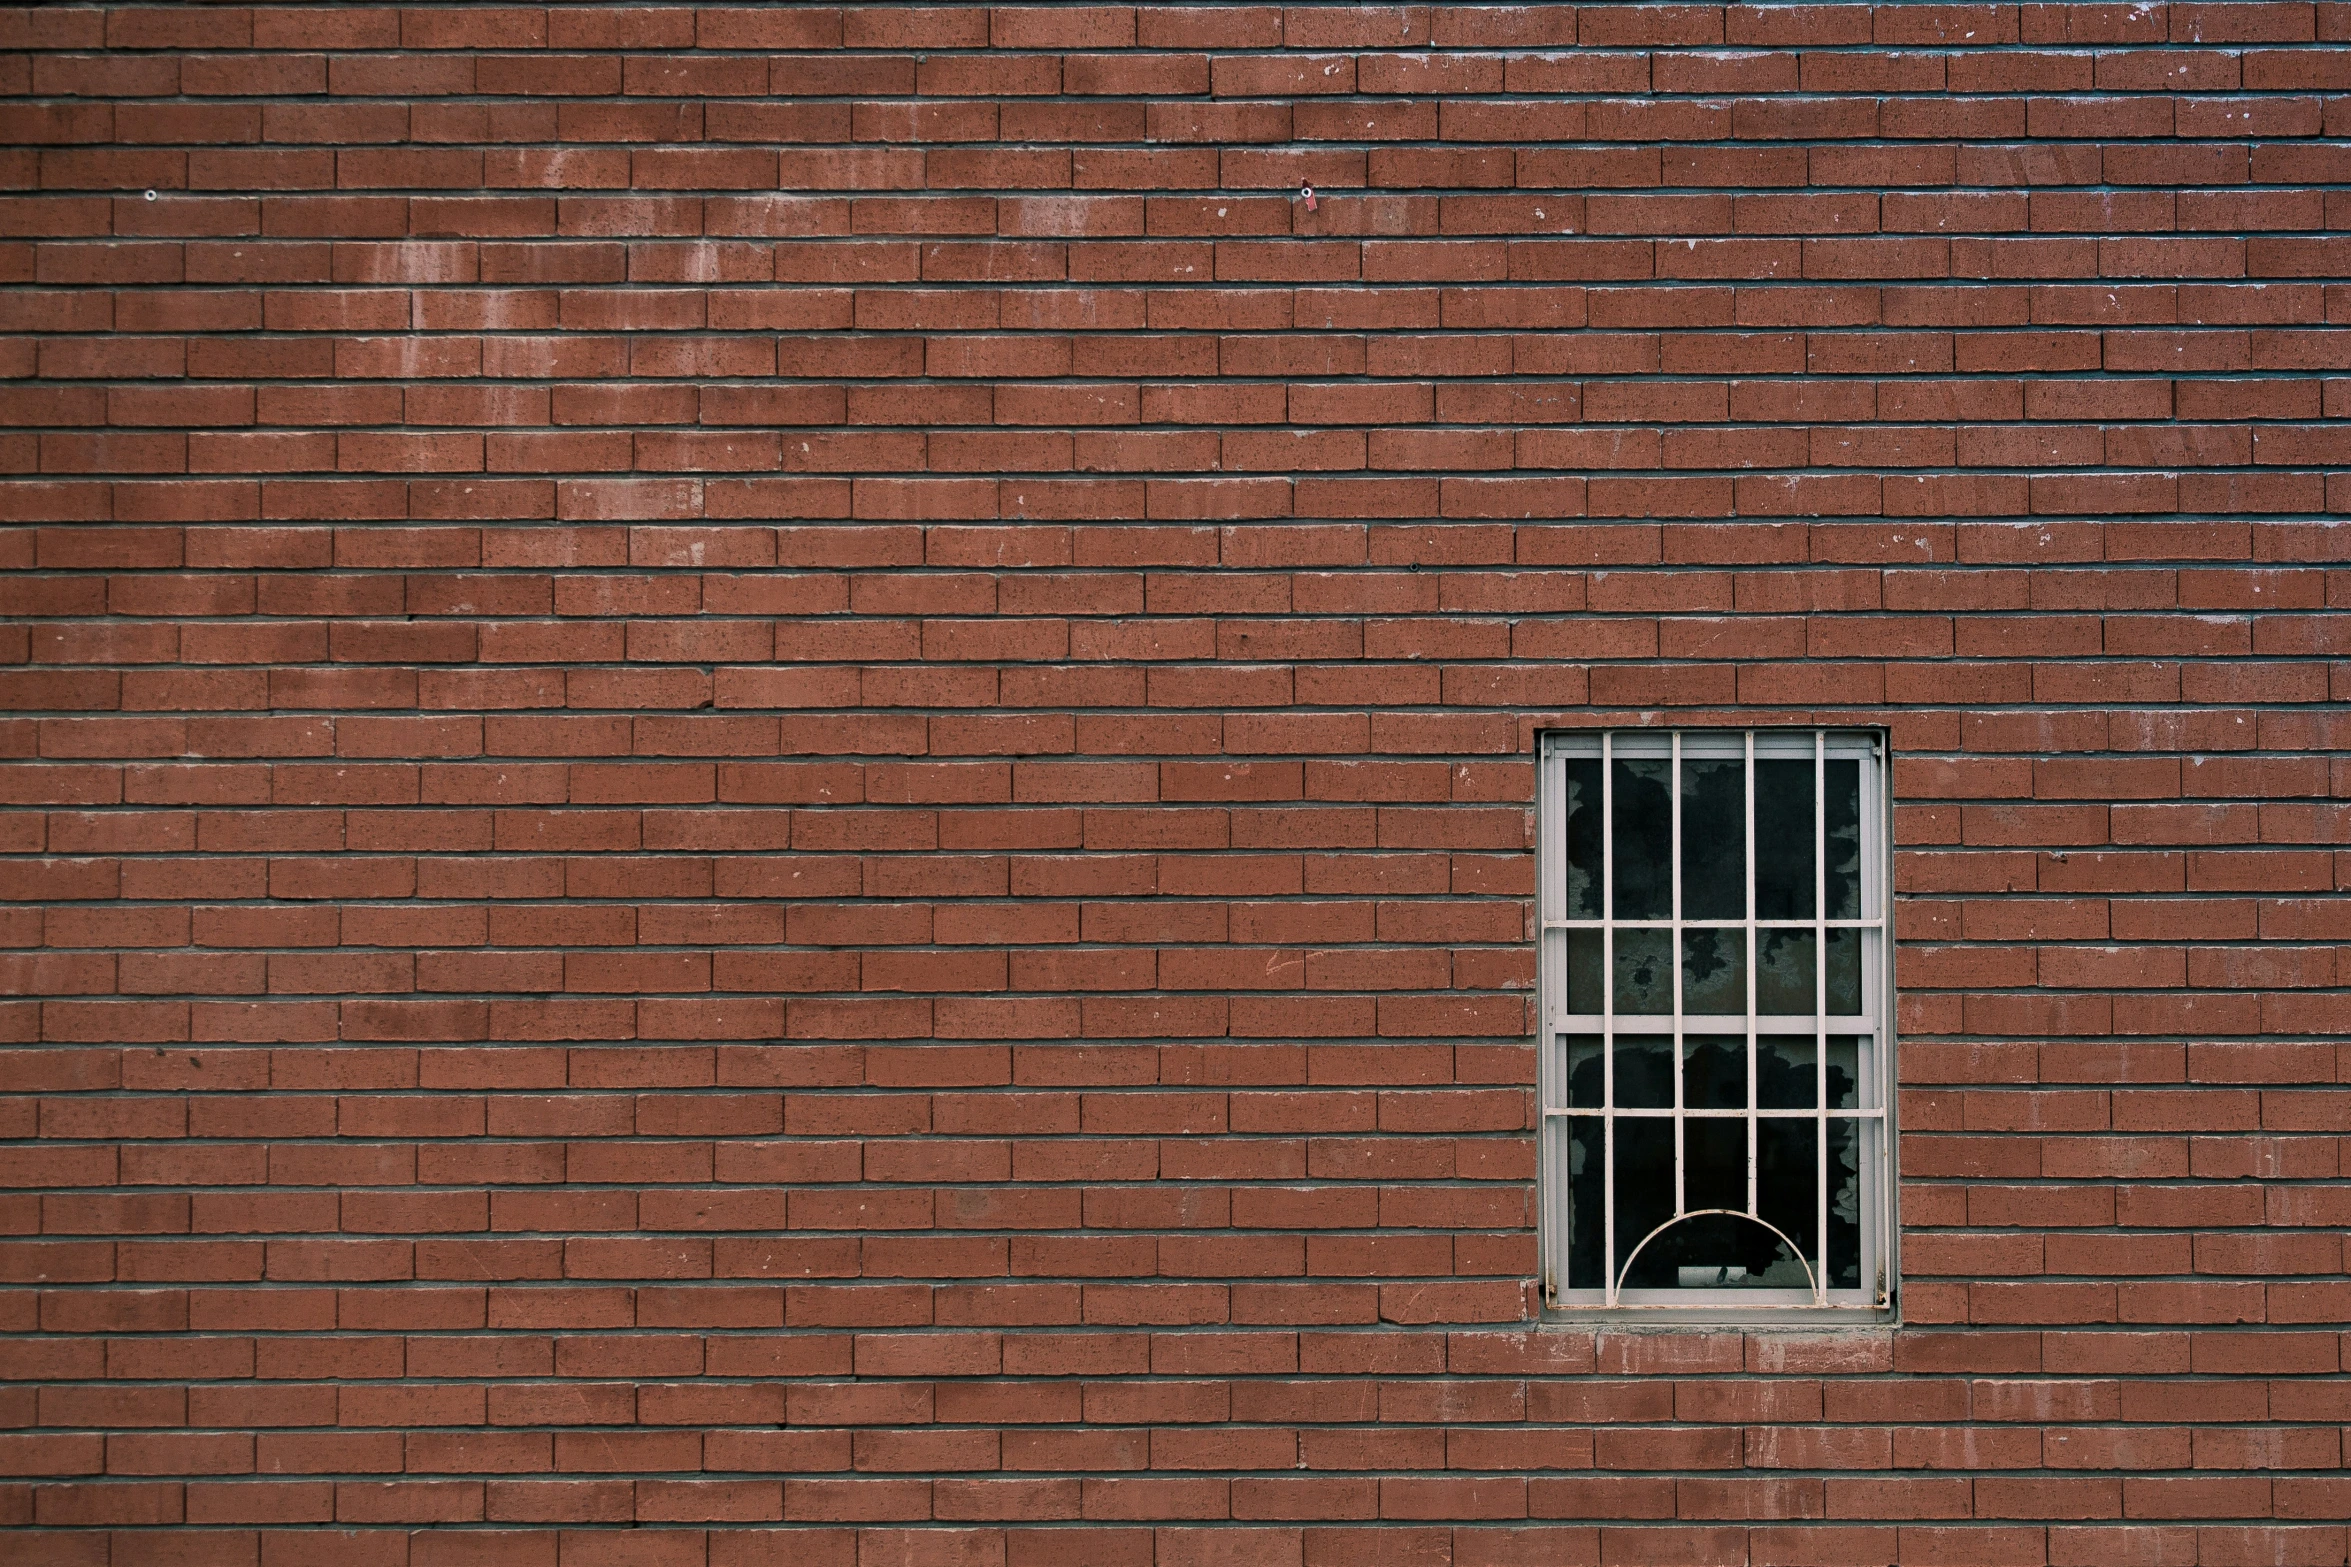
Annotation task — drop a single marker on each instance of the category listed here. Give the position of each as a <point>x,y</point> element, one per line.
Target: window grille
<point>1715,1050</point>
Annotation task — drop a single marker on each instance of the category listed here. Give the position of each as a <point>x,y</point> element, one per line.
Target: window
<point>1715,1054</point>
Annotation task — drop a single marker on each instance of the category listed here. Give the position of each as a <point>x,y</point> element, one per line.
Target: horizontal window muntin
<point>1673,924</point>
<point>1701,1112</point>
<point>1797,1025</point>
<point>1727,900</point>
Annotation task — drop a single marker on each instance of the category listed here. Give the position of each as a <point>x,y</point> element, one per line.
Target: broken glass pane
<point>1644,1181</point>
<point>1841,957</point>
<point>1714,1164</point>
<point>1586,1192</point>
<point>1841,814</point>
<point>1784,1076</point>
<point>1845,1137</point>
<point>1714,972</point>
<point>1784,980</point>
<point>1641,847</point>
<point>1844,1071</point>
<point>1714,840</point>
<point>1783,839</point>
<point>1714,1251</point>
<point>1583,839</point>
<point>1584,973</point>
<point>1787,1179</point>
<point>1644,972</point>
<point>1714,1077</point>
<point>1584,1082</point>
<point>1644,1072</point>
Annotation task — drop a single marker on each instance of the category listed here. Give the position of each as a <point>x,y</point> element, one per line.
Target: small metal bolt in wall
<point>1306,194</point>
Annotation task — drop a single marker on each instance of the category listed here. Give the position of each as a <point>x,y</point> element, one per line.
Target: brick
<point>932,762</point>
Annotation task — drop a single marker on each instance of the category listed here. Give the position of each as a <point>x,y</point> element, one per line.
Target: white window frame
<point>1873,1112</point>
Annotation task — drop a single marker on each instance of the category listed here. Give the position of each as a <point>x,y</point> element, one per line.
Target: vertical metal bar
<point>1872,1160</point>
<point>1608,1014</point>
<point>1820,1008</point>
<point>1550,822</point>
<point>1754,957</point>
<point>1868,1051</point>
<point>1673,874</point>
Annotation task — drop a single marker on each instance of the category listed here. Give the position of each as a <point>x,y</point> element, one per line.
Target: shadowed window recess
<point>1715,1045</point>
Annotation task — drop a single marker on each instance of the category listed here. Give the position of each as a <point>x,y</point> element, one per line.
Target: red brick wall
<point>767,769</point>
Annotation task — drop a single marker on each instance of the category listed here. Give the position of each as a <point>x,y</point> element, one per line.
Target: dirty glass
<point>1583,838</point>
<point>1783,839</point>
<point>1644,972</point>
<point>1641,847</point>
<point>1714,839</point>
<point>1714,972</point>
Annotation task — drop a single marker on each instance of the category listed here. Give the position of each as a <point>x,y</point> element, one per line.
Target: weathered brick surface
<point>767,769</point>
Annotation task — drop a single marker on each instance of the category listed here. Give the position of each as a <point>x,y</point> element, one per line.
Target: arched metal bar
<point>1616,1285</point>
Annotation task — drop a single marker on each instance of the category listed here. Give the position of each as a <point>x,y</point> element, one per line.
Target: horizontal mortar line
<point>666,1237</point>
<point>1436,615</point>
<point>1016,286</point>
<point>436,573</point>
<point>2167,516</point>
<point>1738,1474</point>
<point>887,287</point>
<point>1330,116</point>
<point>1296,149</point>
<point>66,245</point>
<point>1646,101</point>
<point>2196,661</point>
<point>1315,380</point>
<point>828,1380</point>
<point>932,239</point>
<point>1326,1184</point>
<point>1070,146</point>
<point>1238,1232</point>
<point>1408,331</point>
<point>833,1380</point>
<point>1357,187</point>
<point>1546,53</point>
<point>1010,474</point>
<point>1258,1330</point>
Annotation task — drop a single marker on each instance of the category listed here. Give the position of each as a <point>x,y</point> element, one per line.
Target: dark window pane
<point>1584,1082</point>
<point>1784,1072</point>
<point>1714,1077</point>
<point>1844,1071</point>
<point>1784,980</point>
<point>1714,973</point>
<point>1714,840</point>
<point>1644,972</point>
<point>1783,839</point>
<point>1644,1072</point>
<point>1585,1193</point>
<point>1714,1165</point>
<point>1841,815</point>
<point>1583,838</point>
<point>1787,1181</point>
<point>1844,1203</point>
<point>1841,958</point>
<point>1644,1181</point>
<point>1641,849</point>
<point>1583,973</point>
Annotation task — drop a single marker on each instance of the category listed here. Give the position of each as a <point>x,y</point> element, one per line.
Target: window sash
<point>1869,1119</point>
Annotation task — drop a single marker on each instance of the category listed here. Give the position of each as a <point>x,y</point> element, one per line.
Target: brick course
<point>767,769</point>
